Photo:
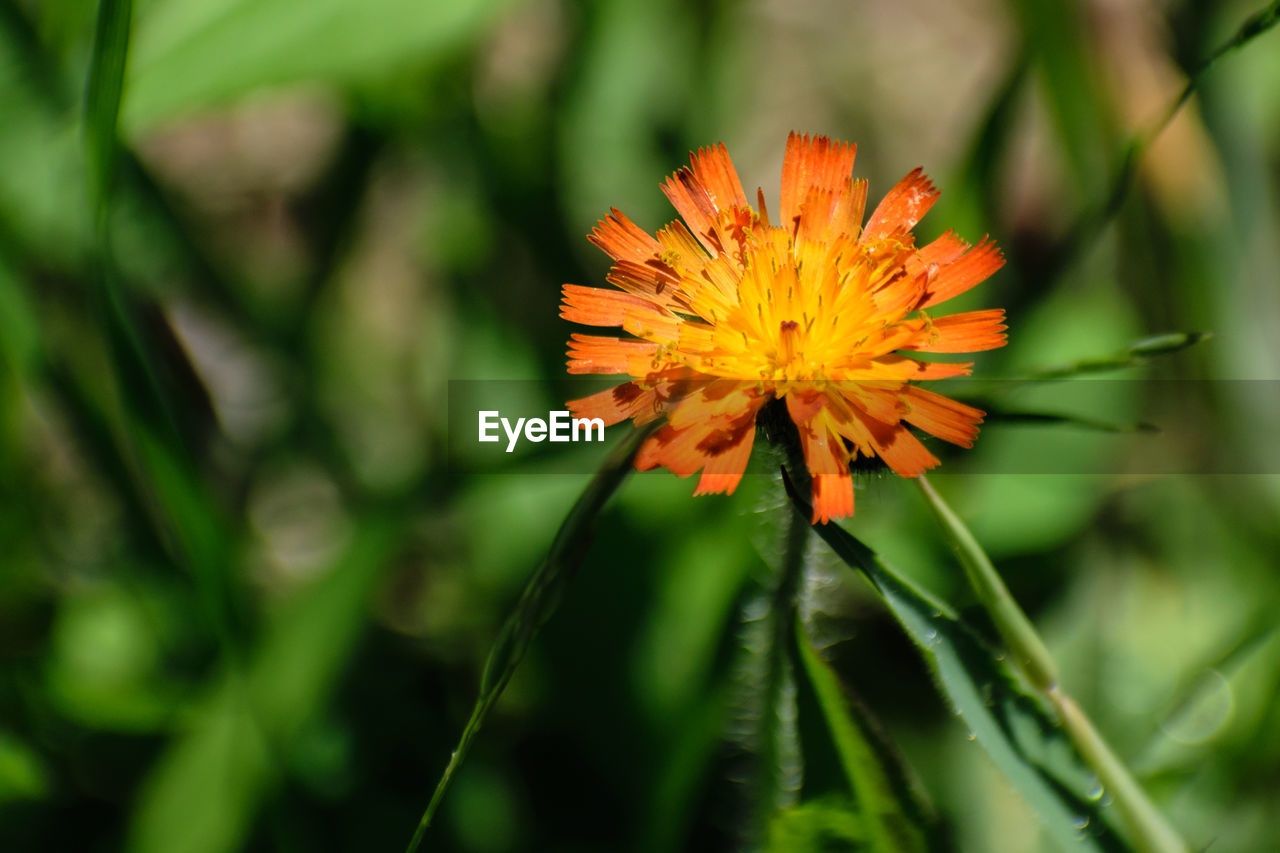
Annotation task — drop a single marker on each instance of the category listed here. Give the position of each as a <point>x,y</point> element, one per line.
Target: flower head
<point>727,311</point>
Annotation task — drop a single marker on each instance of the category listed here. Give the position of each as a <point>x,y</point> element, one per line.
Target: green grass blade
<point>1092,222</point>
<point>179,504</point>
<point>986,394</point>
<point>1255,25</point>
<point>817,826</point>
<point>994,415</point>
<point>1131,356</point>
<point>891,821</point>
<point>102,100</point>
<point>538,600</point>
<point>136,370</point>
<point>1056,33</point>
<point>1014,725</point>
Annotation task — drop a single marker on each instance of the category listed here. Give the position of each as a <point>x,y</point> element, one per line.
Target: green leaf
<point>1147,827</point>
<point>890,820</point>
<point>194,54</point>
<point>1015,727</point>
<point>826,825</point>
<point>538,601</point>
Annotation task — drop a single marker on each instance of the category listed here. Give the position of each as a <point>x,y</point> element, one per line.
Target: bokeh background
<point>265,631</point>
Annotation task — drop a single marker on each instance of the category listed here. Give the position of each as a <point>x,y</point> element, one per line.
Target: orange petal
<point>601,354</point>
<point>821,168</point>
<point>881,400</point>
<point>680,248</point>
<point>941,416</point>
<point>813,222</point>
<point>694,204</point>
<point>970,331</point>
<point>729,456</point>
<point>900,210</point>
<point>652,324</point>
<point>804,406</point>
<point>622,239</point>
<point>762,210</point>
<point>914,370</point>
<point>701,191</point>
<point>674,384</point>
<point>714,170</point>
<point>596,306</point>
<point>828,463</point>
<point>959,275</point>
<point>676,449</point>
<point>832,497</point>
<point>616,404</point>
<point>722,398</point>
<point>898,296</point>
<point>943,250</point>
<point>857,206</point>
<point>652,280</point>
<point>895,444</point>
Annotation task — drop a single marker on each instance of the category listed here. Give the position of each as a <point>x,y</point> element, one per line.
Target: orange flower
<point>726,312</point>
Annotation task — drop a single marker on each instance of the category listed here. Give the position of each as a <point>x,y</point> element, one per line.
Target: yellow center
<point>795,310</point>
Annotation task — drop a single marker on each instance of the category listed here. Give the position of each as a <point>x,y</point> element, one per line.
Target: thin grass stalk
<point>1091,224</point>
<point>538,600</point>
<point>1150,832</point>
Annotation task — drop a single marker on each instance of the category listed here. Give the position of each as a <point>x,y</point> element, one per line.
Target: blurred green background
<point>263,629</point>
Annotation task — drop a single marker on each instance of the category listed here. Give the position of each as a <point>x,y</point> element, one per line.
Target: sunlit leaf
<point>1013,725</point>
<point>193,55</point>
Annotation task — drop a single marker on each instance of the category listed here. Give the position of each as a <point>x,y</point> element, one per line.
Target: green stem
<point>1150,832</point>
<point>1016,631</point>
<point>780,753</point>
